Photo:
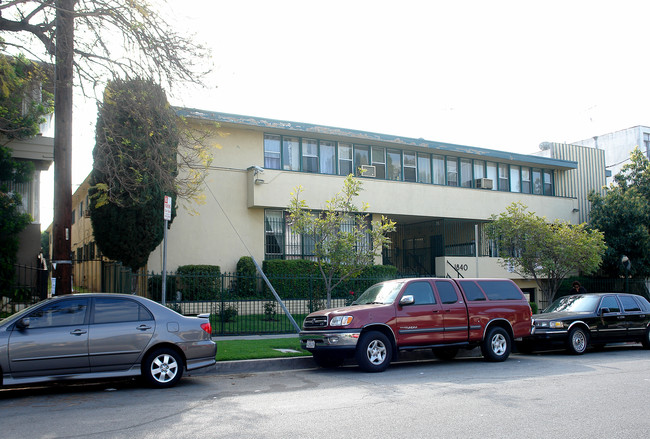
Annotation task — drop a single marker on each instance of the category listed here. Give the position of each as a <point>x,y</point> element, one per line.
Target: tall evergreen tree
<point>134,168</point>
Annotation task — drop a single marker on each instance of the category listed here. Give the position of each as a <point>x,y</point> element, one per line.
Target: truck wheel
<point>373,352</point>
<point>496,345</point>
<point>445,354</point>
<point>578,341</point>
<point>327,361</point>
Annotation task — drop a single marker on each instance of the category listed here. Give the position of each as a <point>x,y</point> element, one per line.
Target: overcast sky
<point>504,75</point>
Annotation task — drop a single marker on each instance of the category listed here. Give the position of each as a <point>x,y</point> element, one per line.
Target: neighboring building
<point>578,183</point>
<point>619,144</point>
<point>40,151</point>
<point>441,195</point>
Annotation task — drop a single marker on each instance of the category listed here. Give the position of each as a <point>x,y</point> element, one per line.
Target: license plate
<point>311,344</point>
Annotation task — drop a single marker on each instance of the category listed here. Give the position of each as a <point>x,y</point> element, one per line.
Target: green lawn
<point>255,349</point>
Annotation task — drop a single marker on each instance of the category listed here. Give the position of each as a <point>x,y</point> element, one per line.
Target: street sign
<point>168,208</point>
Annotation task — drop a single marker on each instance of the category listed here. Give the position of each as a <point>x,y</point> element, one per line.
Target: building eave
<point>369,137</point>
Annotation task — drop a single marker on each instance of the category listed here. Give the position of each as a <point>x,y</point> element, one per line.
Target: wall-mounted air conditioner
<point>484,183</point>
<point>370,171</point>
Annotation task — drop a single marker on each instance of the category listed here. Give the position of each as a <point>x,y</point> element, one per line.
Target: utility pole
<point>64,55</point>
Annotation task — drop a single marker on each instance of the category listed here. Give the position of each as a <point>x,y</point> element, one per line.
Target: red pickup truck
<point>420,313</point>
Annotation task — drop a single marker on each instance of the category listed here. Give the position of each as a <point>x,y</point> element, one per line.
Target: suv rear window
<point>500,290</point>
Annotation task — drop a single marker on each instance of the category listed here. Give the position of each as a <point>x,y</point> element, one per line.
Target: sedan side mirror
<point>23,323</point>
<point>407,300</point>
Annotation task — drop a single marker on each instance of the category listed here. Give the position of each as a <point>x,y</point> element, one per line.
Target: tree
<point>113,38</point>
<point>134,168</point>
<point>623,215</point>
<point>12,220</point>
<point>344,240</point>
<point>25,96</point>
<point>546,252</point>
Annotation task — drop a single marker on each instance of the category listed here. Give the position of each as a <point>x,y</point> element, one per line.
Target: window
<point>548,183</point>
<point>515,179</point>
<point>291,153</point>
<point>646,141</point>
<point>379,161</point>
<point>447,292</point>
<point>271,151</point>
<point>466,173</point>
<point>409,166</point>
<point>452,171</point>
<point>629,304</point>
<point>345,159</point>
<point>525,181</point>
<point>424,168</point>
<point>611,303</point>
<point>438,169</point>
<point>274,231</point>
<point>537,181</point>
<point>504,182</point>
<point>422,293</point>
<point>60,313</point>
<point>479,169</point>
<point>361,157</point>
<point>472,291</point>
<point>501,290</point>
<point>327,157</point>
<point>393,165</point>
<point>109,310</point>
<point>73,216</point>
<point>492,174</point>
<point>282,242</point>
<point>310,155</point>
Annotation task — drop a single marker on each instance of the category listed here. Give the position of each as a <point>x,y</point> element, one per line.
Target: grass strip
<point>228,350</point>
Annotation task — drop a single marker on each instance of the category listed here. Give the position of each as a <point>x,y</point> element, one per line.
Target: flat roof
<point>365,136</point>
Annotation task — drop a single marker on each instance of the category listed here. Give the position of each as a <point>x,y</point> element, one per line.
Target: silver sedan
<point>89,336</point>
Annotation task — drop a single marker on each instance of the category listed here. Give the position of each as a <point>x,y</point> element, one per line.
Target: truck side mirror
<point>407,300</point>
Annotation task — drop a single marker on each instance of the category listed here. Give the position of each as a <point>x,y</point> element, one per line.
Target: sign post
<point>167,216</point>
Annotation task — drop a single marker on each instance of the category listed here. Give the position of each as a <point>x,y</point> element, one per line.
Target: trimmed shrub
<point>246,277</point>
<point>154,287</point>
<point>199,282</point>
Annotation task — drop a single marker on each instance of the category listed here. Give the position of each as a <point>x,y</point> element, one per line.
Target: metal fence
<point>241,305</point>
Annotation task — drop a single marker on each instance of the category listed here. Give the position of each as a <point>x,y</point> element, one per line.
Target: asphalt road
<point>552,395</point>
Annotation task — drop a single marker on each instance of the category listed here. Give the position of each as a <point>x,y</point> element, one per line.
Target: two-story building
<point>441,195</point>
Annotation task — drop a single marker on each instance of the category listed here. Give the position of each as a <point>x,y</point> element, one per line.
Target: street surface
<point>551,395</point>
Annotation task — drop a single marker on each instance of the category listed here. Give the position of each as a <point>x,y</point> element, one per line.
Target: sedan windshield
<point>577,303</point>
<point>380,293</point>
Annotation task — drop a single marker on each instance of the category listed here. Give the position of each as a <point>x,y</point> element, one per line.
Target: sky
<point>503,75</point>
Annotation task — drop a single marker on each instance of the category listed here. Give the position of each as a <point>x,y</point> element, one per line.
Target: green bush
<point>246,277</point>
<point>297,278</point>
<point>199,282</point>
<point>534,307</point>
<point>154,287</point>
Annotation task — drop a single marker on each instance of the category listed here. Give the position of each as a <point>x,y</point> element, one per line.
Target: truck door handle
<point>434,311</point>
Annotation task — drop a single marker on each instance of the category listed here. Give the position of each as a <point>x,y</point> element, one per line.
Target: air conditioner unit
<point>484,183</point>
<point>370,171</point>
<point>87,213</point>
